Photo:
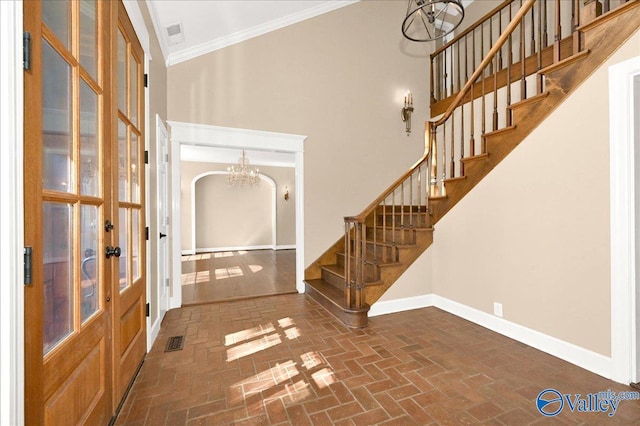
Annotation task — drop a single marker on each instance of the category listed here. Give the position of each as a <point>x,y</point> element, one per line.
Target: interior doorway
<point>280,148</point>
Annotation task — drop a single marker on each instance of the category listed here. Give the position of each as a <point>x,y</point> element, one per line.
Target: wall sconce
<point>406,111</point>
<point>286,193</point>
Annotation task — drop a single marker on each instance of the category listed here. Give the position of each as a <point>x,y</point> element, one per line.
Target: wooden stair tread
<point>454,179</point>
<point>405,228</point>
<point>390,244</point>
<point>476,157</point>
<point>333,301</point>
<point>499,131</point>
<point>529,100</point>
<point>334,269</point>
<point>571,59</point>
<point>381,264</point>
<point>328,290</point>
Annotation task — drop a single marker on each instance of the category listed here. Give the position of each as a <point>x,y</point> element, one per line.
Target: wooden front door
<point>75,223</point>
<point>127,159</point>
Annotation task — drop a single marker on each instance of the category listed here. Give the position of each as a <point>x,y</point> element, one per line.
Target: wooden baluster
<point>411,201</point>
<point>393,213</point>
<point>490,41</point>
<point>361,265</point>
<point>495,98</point>
<point>483,122</point>
<point>472,142</point>
<point>384,220</point>
<point>461,164</point>
<point>483,127</point>
<point>452,165</point>
<point>433,167</point>
<point>500,65</point>
<point>451,72</point>
<point>523,60</point>
<point>433,95</point>
<point>375,228</point>
<point>419,196</point>
<point>509,62</point>
<point>457,46</point>
<point>402,206</point>
<point>576,23</point>
<point>607,6</point>
<point>533,30</point>
<point>539,77</point>
<point>545,34</point>
<point>444,75</point>
<point>347,262</point>
<point>444,157</point>
<point>558,35</point>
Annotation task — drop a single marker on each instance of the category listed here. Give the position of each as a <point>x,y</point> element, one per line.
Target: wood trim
<point>34,381</point>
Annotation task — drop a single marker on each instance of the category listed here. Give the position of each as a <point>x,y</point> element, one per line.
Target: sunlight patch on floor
<point>224,273</point>
<point>255,268</point>
<point>284,380</point>
<point>195,277</point>
<point>253,347</point>
<point>248,334</point>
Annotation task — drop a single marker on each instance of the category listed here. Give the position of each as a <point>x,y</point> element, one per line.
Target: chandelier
<point>429,20</point>
<point>241,174</point>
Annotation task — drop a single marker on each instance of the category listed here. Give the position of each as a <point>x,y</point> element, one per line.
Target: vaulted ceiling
<point>189,28</point>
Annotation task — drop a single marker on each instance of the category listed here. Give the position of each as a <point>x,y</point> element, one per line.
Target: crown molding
<point>240,36</point>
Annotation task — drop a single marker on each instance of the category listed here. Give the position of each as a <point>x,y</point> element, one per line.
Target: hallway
<point>284,360</point>
<point>233,275</point>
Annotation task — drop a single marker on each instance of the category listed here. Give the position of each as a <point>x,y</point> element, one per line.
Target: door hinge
<point>166,158</point>
<point>146,80</point>
<point>147,313</point>
<point>146,157</point>
<point>27,266</point>
<point>26,50</point>
<point>146,233</point>
<point>168,284</point>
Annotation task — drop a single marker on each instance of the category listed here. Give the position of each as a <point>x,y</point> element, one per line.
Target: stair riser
<point>333,279</point>
<point>398,236</point>
<point>406,220</point>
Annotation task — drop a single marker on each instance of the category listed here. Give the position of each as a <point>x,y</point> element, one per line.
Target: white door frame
<point>623,221</point>
<point>11,215</point>
<point>227,137</point>
<point>160,306</point>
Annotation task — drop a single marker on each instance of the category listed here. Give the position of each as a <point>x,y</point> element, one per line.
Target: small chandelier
<point>242,175</point>
<point>429,20</point>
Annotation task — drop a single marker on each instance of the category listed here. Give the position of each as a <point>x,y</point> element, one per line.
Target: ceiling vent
<point>175,34</point>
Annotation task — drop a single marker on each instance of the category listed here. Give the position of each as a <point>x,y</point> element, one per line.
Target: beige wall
<point>339,79</point>
<point>285,210</point>
<point>157,105</point>
<point>232,217</point>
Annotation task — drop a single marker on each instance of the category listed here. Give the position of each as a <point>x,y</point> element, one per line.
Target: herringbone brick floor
<point>284,360</point>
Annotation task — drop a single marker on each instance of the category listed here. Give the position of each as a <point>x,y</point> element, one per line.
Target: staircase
<point>479,126</point>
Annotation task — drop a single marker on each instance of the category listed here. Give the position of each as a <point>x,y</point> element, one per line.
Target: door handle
<point>162,235</point>
<point>112,251</point>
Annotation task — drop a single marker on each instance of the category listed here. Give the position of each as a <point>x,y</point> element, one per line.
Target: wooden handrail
<point>499,43</point>
<point>471,28</point>
<point>515,21</point>
<point>362,216</point>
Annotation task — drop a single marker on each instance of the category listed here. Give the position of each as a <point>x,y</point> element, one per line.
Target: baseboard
<point>286,247</point>
<point>584,358</point>
<point>236,248</point>
<point>153,333</point>
<point>400,305</point>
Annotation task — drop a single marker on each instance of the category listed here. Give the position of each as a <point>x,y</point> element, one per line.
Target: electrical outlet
<point>497,309</point>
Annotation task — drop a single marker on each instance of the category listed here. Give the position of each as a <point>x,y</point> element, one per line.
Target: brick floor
<point>284,360</point>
